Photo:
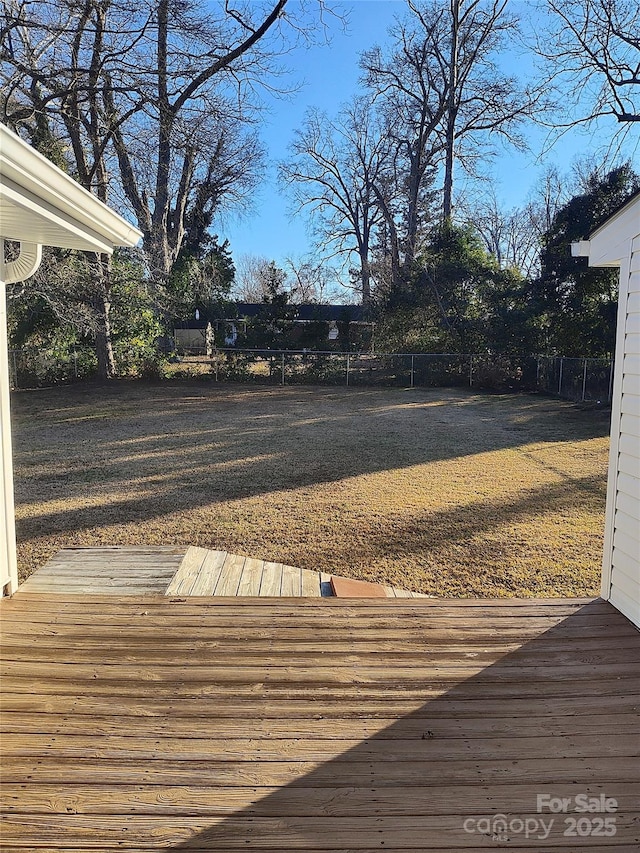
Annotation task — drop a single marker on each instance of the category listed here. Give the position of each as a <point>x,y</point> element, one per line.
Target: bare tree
<point>445,100</point>
<point>199,153</point>
<point>247,287</point>
<point>549,194</point>
<point>169,89</point>
<point>511,236</point>
<point>514,237</point>
<point>51,59</point>
<point>592,55</point>
<point>410,91</point>
<point>482,102</point>
<point>311,279</point>
<point>333,174</point>
<point>254,275</point>
<point>153,103</point>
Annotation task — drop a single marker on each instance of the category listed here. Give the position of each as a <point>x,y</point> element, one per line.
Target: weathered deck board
<point>615,774</point>
<point>271,580</point>
<point>341,728</point>
<point>263,833</point>
<point>304,802</point>
<point>210,573</point>
<point>230,574</point>
<point>187,572</point>
<point>251,577</point>
<point>310,584</point>
<point>121,570</point>
<point>462,709</point>
<point>143,723</point>
<point>291,582</point>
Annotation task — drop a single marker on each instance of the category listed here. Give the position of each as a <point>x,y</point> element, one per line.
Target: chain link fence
<point>579,379</point>
<point>35,368</point>
<point>287,367</point>
<point>576,379</point>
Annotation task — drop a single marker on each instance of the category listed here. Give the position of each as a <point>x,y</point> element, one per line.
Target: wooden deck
<point>166,570</point>
<point>145,723</point>
<point>107,571</point>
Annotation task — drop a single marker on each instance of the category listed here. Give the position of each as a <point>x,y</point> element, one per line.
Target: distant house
<point>190,334</point>
<point>616,243</point>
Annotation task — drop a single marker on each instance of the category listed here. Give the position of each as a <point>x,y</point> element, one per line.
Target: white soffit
<point>39,203</point>
<point>25,217</point>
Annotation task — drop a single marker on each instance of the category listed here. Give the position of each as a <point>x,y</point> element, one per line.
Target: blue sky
<point>329,76</point>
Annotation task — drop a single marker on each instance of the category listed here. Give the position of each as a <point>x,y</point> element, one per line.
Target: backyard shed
<point>40,205</point>
<point>617,244</point>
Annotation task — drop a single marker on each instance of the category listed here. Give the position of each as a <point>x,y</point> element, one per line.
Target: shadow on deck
<point>146,723</point>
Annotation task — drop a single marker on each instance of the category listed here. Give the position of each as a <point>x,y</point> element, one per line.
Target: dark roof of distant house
<point>304,312</point>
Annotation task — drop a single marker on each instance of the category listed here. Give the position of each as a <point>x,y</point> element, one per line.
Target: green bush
<point>51,360</point>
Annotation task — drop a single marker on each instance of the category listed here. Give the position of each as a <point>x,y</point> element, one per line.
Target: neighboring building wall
<point>621,567</point>
<point>187,339</point>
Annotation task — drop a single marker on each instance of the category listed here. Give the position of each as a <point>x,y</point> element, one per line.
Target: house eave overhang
<point>41,204</point>
<point>609,244</point>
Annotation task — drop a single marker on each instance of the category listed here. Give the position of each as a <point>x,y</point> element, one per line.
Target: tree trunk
<point>101,305</point>
<point>159,257</point>
<point>412,209</point>
<point>447,206</point>
<point>365,278</point>
<point>390,238</point>
<point>159,250</point>
<point>103,345</point>
<point>104,349</point>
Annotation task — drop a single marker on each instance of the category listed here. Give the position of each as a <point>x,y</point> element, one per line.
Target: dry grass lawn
<point>444,492</point>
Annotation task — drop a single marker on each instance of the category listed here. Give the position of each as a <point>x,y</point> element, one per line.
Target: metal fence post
<point>584,380</point>
<point>412,370</point>
<point>283,376</point>
<point>611,375</point>
<point>470,371</point>
<point>75,363</point>
<point>560,377</point>
<point>348,365</point>
<point>15,369</point>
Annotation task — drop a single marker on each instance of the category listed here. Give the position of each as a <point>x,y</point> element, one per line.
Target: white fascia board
<point>581,249</point>
<point>25,170</point>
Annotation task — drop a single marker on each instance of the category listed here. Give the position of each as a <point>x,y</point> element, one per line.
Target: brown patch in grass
<point>442,492</point>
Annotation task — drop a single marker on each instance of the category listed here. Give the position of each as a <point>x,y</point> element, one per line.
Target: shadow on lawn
<point>176,450</point>
<point>434,529</point>
<point>451,525</point>
<point>554,717</point>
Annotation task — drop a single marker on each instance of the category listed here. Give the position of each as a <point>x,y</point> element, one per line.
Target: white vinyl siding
<point>622,550</point>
